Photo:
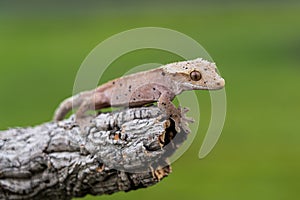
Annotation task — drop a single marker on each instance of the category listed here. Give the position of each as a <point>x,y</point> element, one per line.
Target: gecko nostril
<point>221,83</point>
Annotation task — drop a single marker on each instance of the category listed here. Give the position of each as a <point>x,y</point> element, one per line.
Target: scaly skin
<point>159,85</point>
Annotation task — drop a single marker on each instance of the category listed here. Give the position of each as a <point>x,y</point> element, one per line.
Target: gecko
<point>159,85</point>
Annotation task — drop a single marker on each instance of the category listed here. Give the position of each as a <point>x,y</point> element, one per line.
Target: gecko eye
<point>195,75</point>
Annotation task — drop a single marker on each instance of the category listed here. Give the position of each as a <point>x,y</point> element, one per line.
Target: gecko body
<point>159,85</point>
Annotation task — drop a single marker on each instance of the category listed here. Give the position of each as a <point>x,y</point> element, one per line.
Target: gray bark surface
<point>118,151</point>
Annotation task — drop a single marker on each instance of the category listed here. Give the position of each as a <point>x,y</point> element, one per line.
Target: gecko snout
<point>221,83</point>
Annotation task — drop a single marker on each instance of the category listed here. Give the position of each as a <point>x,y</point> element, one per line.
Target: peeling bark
<point>119,151</point>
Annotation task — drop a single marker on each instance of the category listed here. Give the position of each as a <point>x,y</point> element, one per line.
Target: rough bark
<point>119,151</point>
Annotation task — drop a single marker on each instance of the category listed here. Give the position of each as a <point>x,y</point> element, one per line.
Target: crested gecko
<point>159,85</point>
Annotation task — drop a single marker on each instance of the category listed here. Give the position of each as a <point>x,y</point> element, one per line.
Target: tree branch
<point>119,151</point>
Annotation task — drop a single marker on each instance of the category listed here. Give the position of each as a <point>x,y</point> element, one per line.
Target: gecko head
<point>197,74</point>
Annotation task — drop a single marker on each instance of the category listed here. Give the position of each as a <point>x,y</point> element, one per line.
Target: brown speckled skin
<point>159,85</point>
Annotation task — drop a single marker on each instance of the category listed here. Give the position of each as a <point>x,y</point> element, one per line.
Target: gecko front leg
<point>163,96</point>
<point>177,114</point>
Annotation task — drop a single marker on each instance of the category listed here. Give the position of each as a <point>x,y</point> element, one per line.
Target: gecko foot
<point>84,122</point>
<point>181,120</point>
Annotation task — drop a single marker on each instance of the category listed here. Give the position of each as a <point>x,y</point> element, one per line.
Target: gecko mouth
<point>205,85</point>
<point>189,86</point>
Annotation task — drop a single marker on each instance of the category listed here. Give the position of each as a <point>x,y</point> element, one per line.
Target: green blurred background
<point>256,45</point>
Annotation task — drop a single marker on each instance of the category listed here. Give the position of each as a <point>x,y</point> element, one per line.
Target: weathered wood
<point>119,151</point>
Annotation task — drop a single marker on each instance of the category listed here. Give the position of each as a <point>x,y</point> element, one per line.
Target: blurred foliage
<point>255,45</point>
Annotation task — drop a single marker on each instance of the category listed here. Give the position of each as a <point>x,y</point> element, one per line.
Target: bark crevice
<point>119,151</point>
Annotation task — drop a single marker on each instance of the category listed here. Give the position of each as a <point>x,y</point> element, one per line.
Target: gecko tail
<point>69,104</point>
